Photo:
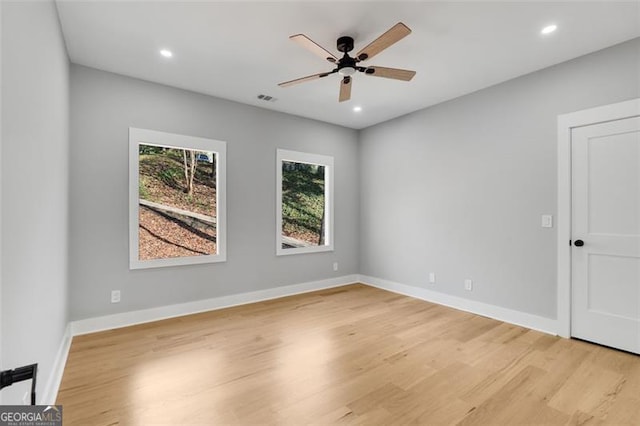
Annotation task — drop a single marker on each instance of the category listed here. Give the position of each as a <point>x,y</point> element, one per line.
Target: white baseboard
<point>108,322</point>
<point>535,322</point>
<point>50,392</point>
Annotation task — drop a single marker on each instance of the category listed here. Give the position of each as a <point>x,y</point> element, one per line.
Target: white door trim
<point>566,122</point>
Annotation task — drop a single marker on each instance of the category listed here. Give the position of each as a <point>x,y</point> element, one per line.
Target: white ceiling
<point>237,50</point>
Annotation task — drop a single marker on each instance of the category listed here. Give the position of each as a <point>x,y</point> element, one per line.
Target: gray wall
<point>458,189</point>
<point>35,152</point>
<point>103,106</point>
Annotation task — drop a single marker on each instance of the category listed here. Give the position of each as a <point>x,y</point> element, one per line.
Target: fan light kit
<point>348,66</point>
<point>347,71</point>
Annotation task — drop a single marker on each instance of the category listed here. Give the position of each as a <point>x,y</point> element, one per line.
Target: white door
<point>605,256</point>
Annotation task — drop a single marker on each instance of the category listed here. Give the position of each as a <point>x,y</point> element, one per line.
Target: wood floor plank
<point>353,355</point>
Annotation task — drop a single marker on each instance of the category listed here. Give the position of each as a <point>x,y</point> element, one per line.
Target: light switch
<point>547,221</point>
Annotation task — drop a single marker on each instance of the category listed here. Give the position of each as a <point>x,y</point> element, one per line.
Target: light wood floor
<point>351,355</point>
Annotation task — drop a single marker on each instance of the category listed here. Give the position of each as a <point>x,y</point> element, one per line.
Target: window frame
<point>172,140</point>
<point>315,159</point>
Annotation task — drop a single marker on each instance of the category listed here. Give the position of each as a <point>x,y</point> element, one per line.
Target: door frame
<point>567,122</point>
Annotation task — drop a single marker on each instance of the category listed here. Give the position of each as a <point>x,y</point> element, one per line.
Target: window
<point>177,200</point>
<point>304,203</point>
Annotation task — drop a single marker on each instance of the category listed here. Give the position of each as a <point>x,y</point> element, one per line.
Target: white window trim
<point>151,137</point>
<point>303,157</point>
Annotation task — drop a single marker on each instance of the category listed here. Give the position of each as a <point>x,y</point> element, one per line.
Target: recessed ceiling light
<point>549,29</point>
<point>357,109</point>
<point>166,53</point>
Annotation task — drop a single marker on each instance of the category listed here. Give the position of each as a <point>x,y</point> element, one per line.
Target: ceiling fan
<point>347,65</point>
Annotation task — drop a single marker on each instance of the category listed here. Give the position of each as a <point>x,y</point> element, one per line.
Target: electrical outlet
<point>468,285</point>
<point>547,221</point>
<point>115,296</point>
<point>432,277</point>
<point>335,266</point>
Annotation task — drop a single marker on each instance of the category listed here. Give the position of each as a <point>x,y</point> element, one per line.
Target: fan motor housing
<point>345,44</point>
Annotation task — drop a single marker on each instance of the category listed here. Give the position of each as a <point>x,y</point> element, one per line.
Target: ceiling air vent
<point>267,98</point>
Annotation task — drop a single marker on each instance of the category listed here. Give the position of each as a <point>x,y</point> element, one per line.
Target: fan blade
<point>393,35</point>
<point>395,73</point>
<point>313,47</point>
<point>345,89</point>
<point>303,79</point>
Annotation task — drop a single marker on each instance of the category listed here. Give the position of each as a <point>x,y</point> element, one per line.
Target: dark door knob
<point>578,243</point>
